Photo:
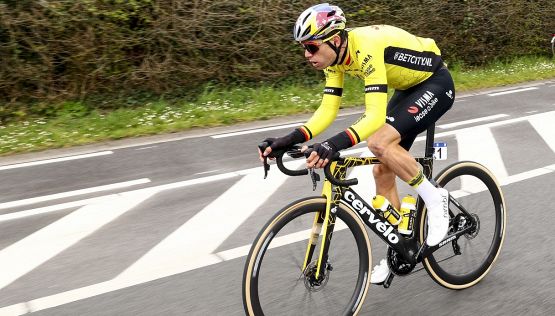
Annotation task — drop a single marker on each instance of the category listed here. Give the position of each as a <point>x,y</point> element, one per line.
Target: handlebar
<point>295,152</point>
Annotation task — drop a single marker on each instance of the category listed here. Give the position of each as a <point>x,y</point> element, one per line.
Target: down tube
<point>405,247</point>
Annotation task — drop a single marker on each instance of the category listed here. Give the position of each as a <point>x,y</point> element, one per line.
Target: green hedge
<point>58,50</point>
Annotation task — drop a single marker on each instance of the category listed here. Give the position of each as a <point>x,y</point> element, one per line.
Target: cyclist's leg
<point>386,184</point>
<point>384,177</point>
<point>421,107</point>
<point>415,110</point>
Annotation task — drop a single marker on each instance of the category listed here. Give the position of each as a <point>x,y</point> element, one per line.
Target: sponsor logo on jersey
<point>414,60</point>
<point>366,62</point>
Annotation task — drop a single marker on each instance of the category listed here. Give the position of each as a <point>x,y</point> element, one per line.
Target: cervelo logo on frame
<point>383,227</point>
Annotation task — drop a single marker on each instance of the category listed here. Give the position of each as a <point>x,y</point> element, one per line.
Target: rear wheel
<point>466,260</point>
<point>274,282</point>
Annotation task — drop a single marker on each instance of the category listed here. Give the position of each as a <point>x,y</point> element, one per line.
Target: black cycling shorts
<point>413,110</point>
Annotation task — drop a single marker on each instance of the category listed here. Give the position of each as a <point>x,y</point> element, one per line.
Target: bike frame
<point>408,247</point>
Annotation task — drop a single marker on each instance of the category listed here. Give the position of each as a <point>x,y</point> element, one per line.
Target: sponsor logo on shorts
<point>413,110</point>
<point>423,105</point>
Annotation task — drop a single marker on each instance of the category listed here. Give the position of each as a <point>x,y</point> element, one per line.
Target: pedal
<point>388,280</point>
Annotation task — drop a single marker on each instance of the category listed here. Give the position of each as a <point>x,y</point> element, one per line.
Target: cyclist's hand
<point>321,155</point>
<point>266,152</point>
<point>275,143</point>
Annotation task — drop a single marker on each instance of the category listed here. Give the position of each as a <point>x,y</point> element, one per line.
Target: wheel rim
<point>282,287</point>
<point>480,247</point>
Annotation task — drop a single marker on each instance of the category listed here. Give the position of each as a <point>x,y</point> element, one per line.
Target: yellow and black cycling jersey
<point>383,56</point>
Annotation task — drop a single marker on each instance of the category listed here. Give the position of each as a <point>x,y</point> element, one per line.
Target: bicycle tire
<point>254,269</point>
<point>440,270</point>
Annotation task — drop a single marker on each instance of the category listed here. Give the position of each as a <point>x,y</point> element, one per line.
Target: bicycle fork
<point>324,219</point>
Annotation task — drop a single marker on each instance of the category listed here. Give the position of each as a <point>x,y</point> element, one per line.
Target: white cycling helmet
<point>319,22</point>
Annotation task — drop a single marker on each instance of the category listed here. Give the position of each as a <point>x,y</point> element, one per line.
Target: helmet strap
<point>337,49</point>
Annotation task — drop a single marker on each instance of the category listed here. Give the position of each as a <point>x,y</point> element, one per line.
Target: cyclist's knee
<point>377,146</point>
<point>382,140</point>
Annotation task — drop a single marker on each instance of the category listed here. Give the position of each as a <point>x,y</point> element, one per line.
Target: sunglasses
<point>312,46</point>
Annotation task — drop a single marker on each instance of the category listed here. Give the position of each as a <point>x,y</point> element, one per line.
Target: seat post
<point>430,134</point>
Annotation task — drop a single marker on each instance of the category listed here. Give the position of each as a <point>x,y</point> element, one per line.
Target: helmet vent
<point>306,18</point>
<point>306,32</point>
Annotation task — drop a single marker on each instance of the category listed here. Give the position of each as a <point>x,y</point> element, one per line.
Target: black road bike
<point>294,267</point>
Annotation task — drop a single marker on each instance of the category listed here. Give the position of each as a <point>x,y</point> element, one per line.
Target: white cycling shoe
<point>379,273</point>
<point>438,219</point>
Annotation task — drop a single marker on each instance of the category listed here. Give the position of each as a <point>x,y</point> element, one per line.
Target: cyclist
<point>383,57</point>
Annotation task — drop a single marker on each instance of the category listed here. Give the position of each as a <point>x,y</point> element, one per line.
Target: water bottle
<point>388,211</point>
<point>407,211</point>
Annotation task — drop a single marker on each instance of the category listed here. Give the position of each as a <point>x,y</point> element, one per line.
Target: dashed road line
<point>73,193</point>
<point>47,161</point>
<point>472,121</point>
<point>512,91</point>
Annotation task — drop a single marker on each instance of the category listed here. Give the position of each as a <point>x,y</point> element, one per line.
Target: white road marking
<point>169,186</point>
<point>148,147</point>
<point>214,258</point>
<point>205,172</point>
<point>477,120</point>
<point>488,125</point>
<point>259,169</point>
<point>210,227</point>
<point>508,180</point>
<point>251,131</point>
<point>478,144</point>
<point>48,209</point>
<point>120,282</point>
<point>527,175</point>
<point>544,126</point>
<point>73,193</point>
<point>512,91</point>
<point>25,255</point>
<point>47,161</point>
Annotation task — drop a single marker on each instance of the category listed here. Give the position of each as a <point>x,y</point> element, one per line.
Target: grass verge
<point>76,125</point>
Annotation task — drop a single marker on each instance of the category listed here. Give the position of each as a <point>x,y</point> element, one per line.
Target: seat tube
<point>429,151</point>
<point>430,135</point>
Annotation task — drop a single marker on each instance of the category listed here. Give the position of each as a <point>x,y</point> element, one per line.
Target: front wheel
<point>464,261</point>
<point>274,281</point>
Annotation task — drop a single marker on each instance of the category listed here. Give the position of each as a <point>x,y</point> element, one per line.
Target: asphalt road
<point>161,225</point>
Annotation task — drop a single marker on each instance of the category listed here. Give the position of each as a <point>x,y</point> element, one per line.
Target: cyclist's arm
<point>320,120</point>
<point>327,111</point>
<point>375,99</point>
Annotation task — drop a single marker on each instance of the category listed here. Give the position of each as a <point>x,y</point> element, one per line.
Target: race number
<point>440,151</point>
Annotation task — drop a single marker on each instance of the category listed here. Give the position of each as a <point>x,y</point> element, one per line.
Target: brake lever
<point>262,146</point>
<point>315,177</point>
<point>295,152</point>
<point>266,167</point>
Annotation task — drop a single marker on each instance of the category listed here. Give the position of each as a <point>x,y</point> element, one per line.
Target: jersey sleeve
<point>327,111</point>
<point>375,99</point>
<point>375,88</point>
